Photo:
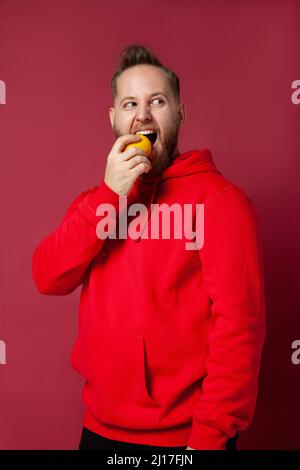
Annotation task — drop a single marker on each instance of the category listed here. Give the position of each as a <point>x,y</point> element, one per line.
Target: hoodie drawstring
<point>149,209</point>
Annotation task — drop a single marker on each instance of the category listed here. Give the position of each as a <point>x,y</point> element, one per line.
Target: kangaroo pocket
<point>115,390</point>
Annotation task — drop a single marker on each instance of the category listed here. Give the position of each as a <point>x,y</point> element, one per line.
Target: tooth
<point>145,132</point>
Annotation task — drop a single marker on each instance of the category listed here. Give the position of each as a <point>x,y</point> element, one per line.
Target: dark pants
<point>91,441</point>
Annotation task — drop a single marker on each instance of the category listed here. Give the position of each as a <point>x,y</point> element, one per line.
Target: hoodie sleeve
<point>60,261</point>
<point>231,260</point>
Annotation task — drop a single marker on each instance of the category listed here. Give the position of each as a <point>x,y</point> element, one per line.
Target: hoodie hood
<point>185,164</point>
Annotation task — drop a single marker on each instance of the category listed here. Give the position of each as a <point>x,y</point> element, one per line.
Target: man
<point>170,338</point>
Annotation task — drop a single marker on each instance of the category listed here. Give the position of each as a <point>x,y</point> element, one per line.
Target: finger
<point>136,160</point>
<point>132,152</point>
<point>124,140</point>
<point>140,168</point>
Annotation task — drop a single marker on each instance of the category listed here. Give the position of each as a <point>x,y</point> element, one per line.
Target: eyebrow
<point>152,94</point>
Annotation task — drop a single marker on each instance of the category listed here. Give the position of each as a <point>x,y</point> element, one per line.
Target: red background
<point>236,61</point>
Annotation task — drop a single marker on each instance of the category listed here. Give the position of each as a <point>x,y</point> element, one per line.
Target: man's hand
<point>124,167</point>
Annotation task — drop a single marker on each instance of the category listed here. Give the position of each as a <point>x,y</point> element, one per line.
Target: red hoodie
<point>169,339</point>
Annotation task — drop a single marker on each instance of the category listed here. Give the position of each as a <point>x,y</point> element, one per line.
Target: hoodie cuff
<point>204,437</point>
<point>102,195</point>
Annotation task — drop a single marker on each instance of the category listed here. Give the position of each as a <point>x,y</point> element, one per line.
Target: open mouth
<point>152,136</point>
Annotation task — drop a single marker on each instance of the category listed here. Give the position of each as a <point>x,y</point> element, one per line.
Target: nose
<point>143,113</point>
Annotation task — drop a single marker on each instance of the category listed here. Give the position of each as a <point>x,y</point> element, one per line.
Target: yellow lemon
<point>143,144</point>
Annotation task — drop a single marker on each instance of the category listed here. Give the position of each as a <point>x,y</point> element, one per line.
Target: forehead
<point>142,79</point>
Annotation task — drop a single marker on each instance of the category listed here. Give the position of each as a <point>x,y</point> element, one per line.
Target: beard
<point>161,158</point>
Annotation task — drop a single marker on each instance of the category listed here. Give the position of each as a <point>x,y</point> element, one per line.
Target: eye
<point>159,99</point>
<point>129,102</point>
<point>132,102</point>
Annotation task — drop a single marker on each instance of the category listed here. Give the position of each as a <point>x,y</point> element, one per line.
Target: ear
<point>112,116</point>
<point>181,112</point>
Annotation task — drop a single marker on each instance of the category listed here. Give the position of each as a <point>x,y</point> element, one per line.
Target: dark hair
<point>137,54</point>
